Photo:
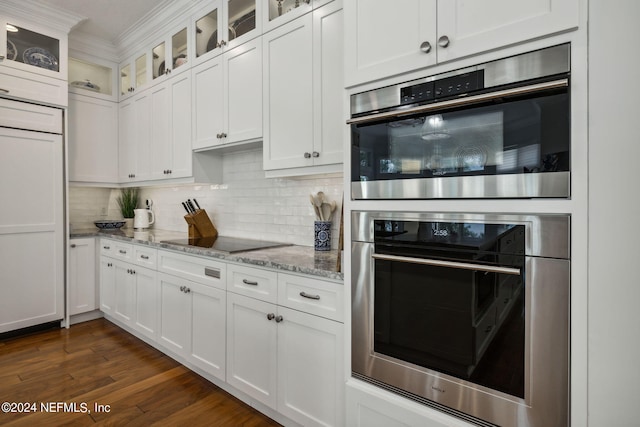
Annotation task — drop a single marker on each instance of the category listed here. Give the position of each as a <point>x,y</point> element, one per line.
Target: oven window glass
<point>464,322</point>
<point>515,135</point>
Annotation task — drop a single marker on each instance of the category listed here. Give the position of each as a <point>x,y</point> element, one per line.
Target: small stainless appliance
<point>467,313</point>
<point>496,130</point>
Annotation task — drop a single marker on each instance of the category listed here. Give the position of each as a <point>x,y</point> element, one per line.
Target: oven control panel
<point>417,93</point>
<point>459,85</point>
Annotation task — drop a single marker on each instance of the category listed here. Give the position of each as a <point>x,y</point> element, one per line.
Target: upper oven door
<point>512,143</point>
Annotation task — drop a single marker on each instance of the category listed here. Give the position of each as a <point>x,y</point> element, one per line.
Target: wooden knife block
<point>200,225</point>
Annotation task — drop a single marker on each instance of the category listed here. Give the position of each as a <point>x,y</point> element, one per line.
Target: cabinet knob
<point>221,43</point>
<point>73,245</point>
<point>270,316</point>
<point>223,135</point>
<point>443,41</point>
<point>425,47</point>
<point>182,288</point>
<point>279,319</point>
<point>316,154</point>
<point>307,155</point>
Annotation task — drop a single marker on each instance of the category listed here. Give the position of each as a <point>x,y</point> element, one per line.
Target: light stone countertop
<point>294,259</point>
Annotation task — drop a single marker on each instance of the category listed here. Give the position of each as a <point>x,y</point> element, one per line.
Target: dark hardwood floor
<point>97,363</point>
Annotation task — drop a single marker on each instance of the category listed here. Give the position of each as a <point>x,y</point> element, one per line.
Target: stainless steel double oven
<point>466,312</point>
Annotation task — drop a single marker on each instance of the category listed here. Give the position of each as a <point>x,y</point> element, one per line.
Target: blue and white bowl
<point>109,224</point>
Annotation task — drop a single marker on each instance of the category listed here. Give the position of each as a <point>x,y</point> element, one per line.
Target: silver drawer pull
<point>212,272</point>
<point>122,252</point>
<point>249,282</point>
<point>106,247</point>
<point>306,295</point>
<point>144,257</point>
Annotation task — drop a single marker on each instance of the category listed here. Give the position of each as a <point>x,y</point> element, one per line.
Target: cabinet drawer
<point>22,115</point>
<point>116,249</point>
<point>253,282</point>
<point>313,296</point>
<point>201,270</point>
<point>145,256</point>
<point>33,87</point>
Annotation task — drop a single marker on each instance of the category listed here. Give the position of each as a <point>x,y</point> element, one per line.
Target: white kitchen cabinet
<point>227,98</point>
<point>170,118</point>
<point>107,285</point>
<point>134,142</point>
<point>33,62</point>
<point>382,41</point>
<point>193,322</point>
<point>278,354</point>
<point>286,359</point>
<point>125,293</point>
<point>241,19</point>
<point>170,54</point>
<point>310,358</point>
<point>92,139</point>
<point>134,75</point>
<point>303,93</point>
<point>252,347</point>
<point>129,290</point>
<point>81,278</point>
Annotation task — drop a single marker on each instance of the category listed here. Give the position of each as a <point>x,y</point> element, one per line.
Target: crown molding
<point>154,25</point>
<point>92,45</point>
<point>41,14</point>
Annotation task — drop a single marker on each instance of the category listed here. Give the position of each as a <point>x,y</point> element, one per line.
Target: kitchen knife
<point>184,205</point>
<point>190,204</point>
<point>197,204</point>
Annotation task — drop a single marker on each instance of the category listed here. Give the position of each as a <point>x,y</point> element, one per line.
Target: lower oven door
<point>485,343</point>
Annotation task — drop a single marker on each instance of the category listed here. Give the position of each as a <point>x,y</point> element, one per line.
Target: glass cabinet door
<point>179,49</point>
<point>125,79</point>
<point>281,11</point>
<point>141,70</point>
<point>241,16</point>
<point>159,66</point>
<point>31,48</point>
<point>206,30</point>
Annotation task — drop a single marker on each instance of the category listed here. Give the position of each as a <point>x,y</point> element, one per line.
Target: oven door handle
<point>462,101</point>
<point>449,264</point>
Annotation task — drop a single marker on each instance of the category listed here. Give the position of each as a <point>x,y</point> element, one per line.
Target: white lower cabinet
<point>193,322</point>
<point>251,347</point>
<point>309,373</point>
<point>274,337</point>
<point>128,286</point>
<point>82,276</point>
<point>286,359</point>
<point>107,285</point>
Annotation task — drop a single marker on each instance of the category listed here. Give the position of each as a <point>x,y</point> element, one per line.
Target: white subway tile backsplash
<point>246,205</point>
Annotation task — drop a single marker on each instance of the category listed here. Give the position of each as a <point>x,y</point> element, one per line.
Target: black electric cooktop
<point>229,245</point>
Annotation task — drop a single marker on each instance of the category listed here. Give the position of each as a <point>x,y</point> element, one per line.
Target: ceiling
<point>106,19</point>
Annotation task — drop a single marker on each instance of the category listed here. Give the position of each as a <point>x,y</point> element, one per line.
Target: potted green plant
<point>128,201</point>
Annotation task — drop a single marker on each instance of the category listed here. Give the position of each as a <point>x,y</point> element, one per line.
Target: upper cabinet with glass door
<point>170,55</point>
<point>282,11</point>
<point>134,75</point>
<point>242,20</point>
<point>26,47</point>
